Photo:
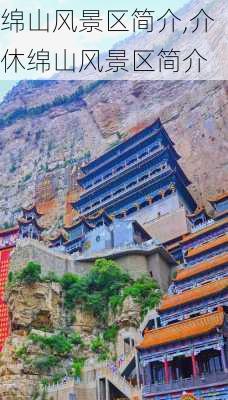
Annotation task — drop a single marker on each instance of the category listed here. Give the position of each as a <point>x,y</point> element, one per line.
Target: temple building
<point>139,179</point>
<point>189,351</point>
<point>29,226</point>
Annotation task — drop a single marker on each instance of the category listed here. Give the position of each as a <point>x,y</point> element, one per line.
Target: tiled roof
<point>194,294</point>
<point>204,230</point>
<point>188,328</point>
<point>202,267</point>
<point>34,221</point>
<point>208,246</point>
<point>32,207</point>
<point>58,235</point>
<point>218,197</point>
<point>197,212</point>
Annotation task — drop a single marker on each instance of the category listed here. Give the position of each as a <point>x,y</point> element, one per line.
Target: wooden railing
<point>188,383</point>
<point>112,173</point>
<point>137,183</point>
<point>120,382</point>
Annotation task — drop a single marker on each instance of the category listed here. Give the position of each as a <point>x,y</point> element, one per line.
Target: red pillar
<point>194,365</point>
<point>166,366</point>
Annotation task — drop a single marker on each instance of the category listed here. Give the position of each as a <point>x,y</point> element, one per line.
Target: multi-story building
<point>139,179</point>
<point>29,226</point>
<point>189,352</point>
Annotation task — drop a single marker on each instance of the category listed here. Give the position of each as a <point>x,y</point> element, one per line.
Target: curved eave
<point>203,267</point>
<point>52,240</point>
<point>92,165</point>
<point>29,222</point>
<point>32,208</point>
<point>218,198</point>
<point>160,153</point>
<point>198,213</point>
<point>193,295</point>
<point>179,331</point>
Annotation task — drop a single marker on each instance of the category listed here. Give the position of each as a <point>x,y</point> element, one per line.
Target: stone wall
<point>50,260</point>
<point>160,270</point>
<point>168,226</point>
<point>135,263</point>
<point>81,391</point>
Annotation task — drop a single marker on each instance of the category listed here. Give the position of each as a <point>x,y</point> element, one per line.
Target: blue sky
<point>26,5</point>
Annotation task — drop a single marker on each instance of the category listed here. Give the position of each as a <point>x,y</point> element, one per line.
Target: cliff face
<point>44,127</point>
<point>37,311</point>
<point>30,307</point>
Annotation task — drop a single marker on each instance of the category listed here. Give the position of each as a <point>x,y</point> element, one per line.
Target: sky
<point>100,41</point>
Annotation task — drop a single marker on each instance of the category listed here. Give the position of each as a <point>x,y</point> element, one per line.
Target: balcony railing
<point>203,225</point>
<point>120,153</point>
<point>188,383</point>
<point>127,188</point>
<point>128,164</point>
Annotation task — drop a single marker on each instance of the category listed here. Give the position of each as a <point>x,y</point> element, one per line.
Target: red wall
<point>4,318</point>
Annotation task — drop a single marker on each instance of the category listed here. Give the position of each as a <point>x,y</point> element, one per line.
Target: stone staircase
<point>129,357</point>
<point>103,371</point>
<point>130,391</point>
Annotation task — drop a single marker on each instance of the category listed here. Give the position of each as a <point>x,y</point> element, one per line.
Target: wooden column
<point>166,367</point>
<point>194,365</point>
<point>224,361</point>
<point>147,374</point>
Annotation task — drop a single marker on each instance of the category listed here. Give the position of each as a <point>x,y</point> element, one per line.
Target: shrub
<point>110,333</point>
<point>57,344</point>
<point>145,291</point>
<point>99,347</point>
<point>76,339</point>
<point>30,274</point>
<point>21,352</point>
<point>44,363</point>
<point>77,365</point>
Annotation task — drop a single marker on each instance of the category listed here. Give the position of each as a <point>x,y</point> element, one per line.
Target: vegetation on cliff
<point>101,293</point>
<point>103,288</point>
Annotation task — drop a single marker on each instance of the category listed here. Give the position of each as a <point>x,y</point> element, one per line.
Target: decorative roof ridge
<point>203,230</point>
<point>182,330</point>
<point>193,294</point>
<point>197,212</point>
<point>218,197</point>
<point>185,273</point>
<point>31,207</point>
<point>29,221</point>
<point>208,245</point>
<point>59,234</point>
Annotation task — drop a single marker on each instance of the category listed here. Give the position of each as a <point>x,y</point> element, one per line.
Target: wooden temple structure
<point>189,351</point>
<point>134,176</point>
